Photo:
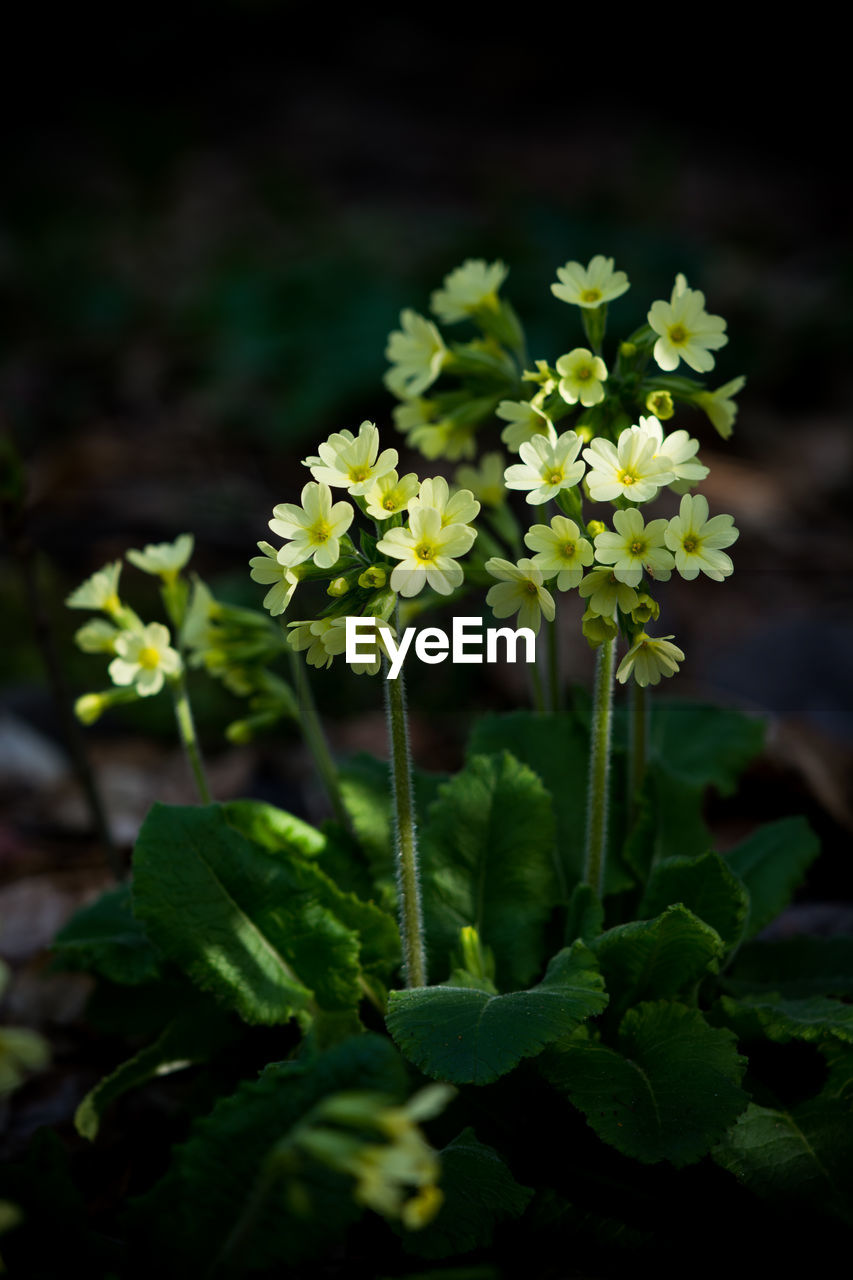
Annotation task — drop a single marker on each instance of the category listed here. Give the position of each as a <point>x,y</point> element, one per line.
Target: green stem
<point>408,886</point>
<point>599,767</point>
<point>536,686</point>
<point>186,729</point>
<point>638,747</point>
<point>312,731</point>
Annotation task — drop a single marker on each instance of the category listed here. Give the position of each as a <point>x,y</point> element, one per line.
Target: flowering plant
<point>543,956</point>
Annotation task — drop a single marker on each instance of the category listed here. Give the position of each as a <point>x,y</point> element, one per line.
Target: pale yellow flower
<point>520,590</point>
<point>686,330</point>
<point>315,529</point>
<point>561,549</point>
<point>352,462</point>
<point>427,551</point>
<point>548,464</point>
<point>697,541</point>
<point>592,285</point>
<point>469,288</point>
<point>164,559</point>
<point>719,405</point>
<point>648,659</point>
<point>144,658</point>
<point>526,419</point>
<point>280,578</point>
<point>581,375</point>
<point>417,353</point>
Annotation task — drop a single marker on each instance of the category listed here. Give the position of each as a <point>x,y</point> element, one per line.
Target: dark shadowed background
<point>210,220</point>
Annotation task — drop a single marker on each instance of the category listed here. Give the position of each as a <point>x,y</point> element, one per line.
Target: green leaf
<point>705,745</point>
<point>707,887</point>
<point>468,1036</point>
<point>267,933</point>
<point>771,863</point>
<point>479,1193</point>
<point>366,791</point>
<point>185,1041</point>
<point>649,958</point>
<point>486,861</point>
<point>218,1202</point>
<point>813,1018</point>
<point>556,748</point>
<point>273,828</point>
<point>669,822</point>
<point>667,1092</point>
<point>106,938</point>
<point>794,967</point>
<point>803,1156</point>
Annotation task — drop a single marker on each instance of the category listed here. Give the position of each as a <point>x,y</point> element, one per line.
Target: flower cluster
<point>418,531</point>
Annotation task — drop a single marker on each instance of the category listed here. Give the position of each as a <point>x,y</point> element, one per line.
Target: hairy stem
<point>408,883</point>
<point>189,738</point>
<point>599,768</point>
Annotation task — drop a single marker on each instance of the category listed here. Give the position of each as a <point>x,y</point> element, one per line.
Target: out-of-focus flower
<point>592,285</point>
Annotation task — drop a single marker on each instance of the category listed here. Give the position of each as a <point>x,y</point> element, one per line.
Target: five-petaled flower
<point>581,375</point>
<point>648,659</point>
<point>427,551</point>
<point>561,550</point>
<point>144,658</point>
<point>697,542</point>
<point>548,464</point>
<point>351,462</point>
<point>686,330</point>
<point>469,288</point>
<point>520,590</point>
<point>628,469</point>
<point>592,285</point>
<point>417,353</point>
<point>635,547</point>
<point>315,529</point>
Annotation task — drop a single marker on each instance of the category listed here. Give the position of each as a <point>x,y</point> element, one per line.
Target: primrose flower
<point>635,547</point>
<point>548,464</point>
<point>561,549</point>
<point>280,578</point>
<point>315,529</point>
<point>427,551</point>
<point>520,590</point>
<point>544,375</point>
<point>648,659</point>
<point>350,462</point>
<point>605,591</point>
<point>592,285</point>
<point>309,635</point>
<point>458,508</point>
<point>526,419</point>
<point>390,494</point>
<point>451,437</point>
<point>686,330</point>
<point>99,592</point>
<point>417,353</point>
<point>487,482</point>
<point>467,289</point>
<point>677,451</point>
<point>165,559</point>
<point>697,541</point>
<point>719,406</point>
<point>334,642</point>
<point>628,469</point>
<point>581,375</point>
<point>144,658</point>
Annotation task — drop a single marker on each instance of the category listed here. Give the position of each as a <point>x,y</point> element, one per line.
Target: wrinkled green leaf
<point>486,859</point>
<point>780,1019</point>
<point>707,887</point>
<point>771,863</point>
<point>704,745</point>
<point>794,967</point>
<point>802,1156</point>
<point>218,1200</point>
<point>661,957</point>
<point>479,1192</point>
<point>667,1092</point>
<point>268,933</point>
<point>106,938</point>
<point>468,1036</point>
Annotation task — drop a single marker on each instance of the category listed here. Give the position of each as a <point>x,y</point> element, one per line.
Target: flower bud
<point>373,578</point>
<point>337,587</point>
<point>660,404</point>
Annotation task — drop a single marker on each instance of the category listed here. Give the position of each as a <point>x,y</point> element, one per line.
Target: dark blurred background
<point>211,216</point>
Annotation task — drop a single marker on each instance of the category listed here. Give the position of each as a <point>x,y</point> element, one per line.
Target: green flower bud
<point>337,587</point>
<point>597,629</point>
<point>373,577</point>
<point>90,707</point>
<point>595,527</point>
<point>627,350</point>
<point>660,404</point>
<point>645,609</point>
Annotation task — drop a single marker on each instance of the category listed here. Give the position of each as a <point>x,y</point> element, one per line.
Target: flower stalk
<point>637,746</point>
<point>314,736</point>
<point>189,738</point>
<point>408,880</point>
<point>599,767</point>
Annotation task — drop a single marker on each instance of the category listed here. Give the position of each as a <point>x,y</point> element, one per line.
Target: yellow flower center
<point>388,503</point>
<point>591,295</point>
<point>569,550</point>
<point>554,477</point>
<point>149,657</point>
<point>637,547</point>
<point>321,531</point>
<point>583,373</point>
<point>531,588</point>
<point>690,544</point>
<point>625,477</point>
<point>677,333</point>
<point>358,474</point>
<point>425,552</point>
